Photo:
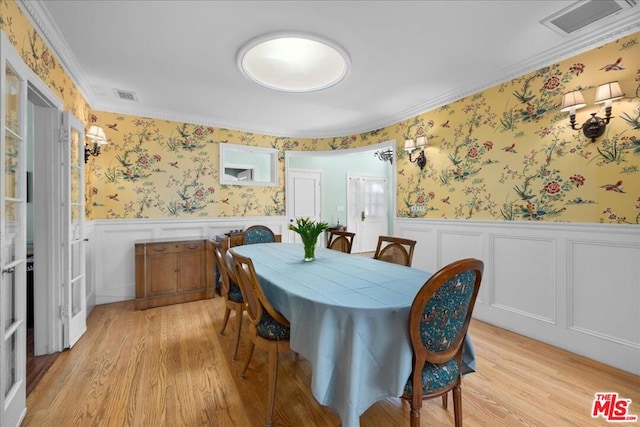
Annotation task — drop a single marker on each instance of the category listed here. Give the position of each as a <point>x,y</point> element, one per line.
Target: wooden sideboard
<point>171,272</point>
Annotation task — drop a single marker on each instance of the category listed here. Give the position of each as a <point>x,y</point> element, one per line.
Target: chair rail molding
<point>572,285</point>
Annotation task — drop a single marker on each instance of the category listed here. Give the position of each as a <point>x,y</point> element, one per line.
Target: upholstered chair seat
<point>435,378</point>
<point>235,294</point>
<point>271,329</point>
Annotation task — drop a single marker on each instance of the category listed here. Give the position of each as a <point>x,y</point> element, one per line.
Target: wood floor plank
<point>169,366</point>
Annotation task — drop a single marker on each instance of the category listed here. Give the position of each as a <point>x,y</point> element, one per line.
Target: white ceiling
<point>179,57</point>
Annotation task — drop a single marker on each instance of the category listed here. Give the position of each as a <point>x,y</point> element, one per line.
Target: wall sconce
<point>410,146</point>
<point>97,136</point>
<point>595,126</point>
<point>385,155</point>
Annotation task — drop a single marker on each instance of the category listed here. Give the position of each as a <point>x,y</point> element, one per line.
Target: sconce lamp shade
<point>608,92</point>
<point>410,144</point>
<point>96,135</point>
<point>572,101</point>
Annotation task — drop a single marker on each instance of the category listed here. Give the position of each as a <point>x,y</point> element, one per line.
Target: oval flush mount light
<point>292,62</point>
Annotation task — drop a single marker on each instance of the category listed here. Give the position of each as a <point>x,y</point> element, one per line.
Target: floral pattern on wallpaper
<point>508,153</point>
<point>40,58</point>
<point>154,168</point>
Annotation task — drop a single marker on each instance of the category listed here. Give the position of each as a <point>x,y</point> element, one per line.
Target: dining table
<point>349,319</point>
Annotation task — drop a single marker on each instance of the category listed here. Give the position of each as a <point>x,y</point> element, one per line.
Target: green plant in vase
<point>309,232</point>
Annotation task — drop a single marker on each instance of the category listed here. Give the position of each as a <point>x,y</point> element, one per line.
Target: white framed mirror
<point>248,165</point>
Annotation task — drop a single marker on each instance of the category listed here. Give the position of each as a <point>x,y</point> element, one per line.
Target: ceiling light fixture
<point>292,62</point>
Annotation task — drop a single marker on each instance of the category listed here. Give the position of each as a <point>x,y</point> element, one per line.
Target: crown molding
<point>610,30</point>
<point>592,40</point>
<point>40,18</point>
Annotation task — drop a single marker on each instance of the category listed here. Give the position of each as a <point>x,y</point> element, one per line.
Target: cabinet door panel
<point>191,270</point>
<point>162,273</point>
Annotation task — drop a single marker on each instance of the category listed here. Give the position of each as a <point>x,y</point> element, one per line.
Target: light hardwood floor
<point>169,366</point>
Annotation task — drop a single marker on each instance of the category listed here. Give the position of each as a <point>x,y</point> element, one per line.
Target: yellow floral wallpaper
<point>506,153</point>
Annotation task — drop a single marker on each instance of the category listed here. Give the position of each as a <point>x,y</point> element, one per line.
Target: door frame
<point>46,217</point>
<point>389,144</point>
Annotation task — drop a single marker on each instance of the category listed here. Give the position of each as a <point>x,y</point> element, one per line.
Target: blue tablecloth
<point>348,317</point>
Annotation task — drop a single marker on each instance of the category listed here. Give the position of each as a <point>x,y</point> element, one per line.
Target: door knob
<point>8,270</point>
<point>362,215</point>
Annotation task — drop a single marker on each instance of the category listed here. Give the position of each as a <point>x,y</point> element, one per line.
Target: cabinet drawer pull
<point>159,248</point>
<point>193,246</point>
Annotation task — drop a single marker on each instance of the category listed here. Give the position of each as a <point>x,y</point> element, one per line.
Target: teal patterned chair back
<point>258,234</point>
<point>438,323</point>
<point>444,315</point>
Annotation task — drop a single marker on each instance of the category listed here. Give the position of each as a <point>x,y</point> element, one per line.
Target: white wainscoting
<point>575,286</point>
<point>110,249</point>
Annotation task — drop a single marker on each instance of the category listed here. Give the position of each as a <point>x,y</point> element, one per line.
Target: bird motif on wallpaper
<point>510,149</point>
<point>225,201</point>
<point>614,187</point>
<point>113,126</point>
<point>183,131</point>
<point>613,67</point>
<point>113,197</point>
<point>446,200</point>
<point>445,124</point>
<point>524,193</point>
<point>174,164</point>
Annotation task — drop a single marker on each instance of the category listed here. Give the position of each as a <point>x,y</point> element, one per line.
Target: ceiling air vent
<point>126,95</point>
<point>584,13</point>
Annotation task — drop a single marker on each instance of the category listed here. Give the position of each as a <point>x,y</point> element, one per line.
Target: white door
<point>72,219</point>
<point>304,198</point>
<point>366,210</point>
<point>13,240</point>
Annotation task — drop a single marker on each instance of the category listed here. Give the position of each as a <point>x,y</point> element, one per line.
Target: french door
<point>366,210</point>
<point>73,249</point>
<point>59,195</point>
<point>13,87</point>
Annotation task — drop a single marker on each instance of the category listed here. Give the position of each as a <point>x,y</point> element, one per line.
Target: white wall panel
<point>574,286</point>
<point>455,245</point>
<point>113,246</point>
<point>604,279</point>
<point>524,276</point>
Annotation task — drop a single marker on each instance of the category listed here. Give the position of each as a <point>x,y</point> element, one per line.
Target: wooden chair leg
<point>457,406</point>
<point>445,400</point>
<point>273,375</point>
<point>414,417</point>
<point>239,316</point>
<point>249,355</point>
<point>227,311</point>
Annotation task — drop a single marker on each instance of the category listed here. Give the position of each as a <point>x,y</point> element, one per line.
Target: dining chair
<point>438,323</point>
<point>268,329</point>
<point>395,249</point>
<point>258,234</point>
<point>230,291</point>
<point>340,241</point>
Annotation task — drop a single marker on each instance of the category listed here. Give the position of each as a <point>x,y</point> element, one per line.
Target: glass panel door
<point>73,224</point>
<point>366,210</point>
<point>13,247</point>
